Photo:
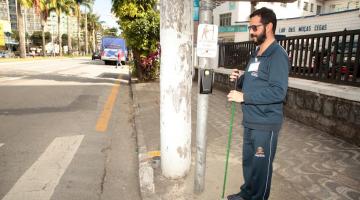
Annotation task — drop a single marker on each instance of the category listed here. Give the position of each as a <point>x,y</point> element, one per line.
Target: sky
<point>103,9</point>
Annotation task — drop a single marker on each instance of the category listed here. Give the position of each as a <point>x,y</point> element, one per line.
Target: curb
<point>146,172</point>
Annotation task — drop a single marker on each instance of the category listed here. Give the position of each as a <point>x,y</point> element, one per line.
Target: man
<point>264,86</point>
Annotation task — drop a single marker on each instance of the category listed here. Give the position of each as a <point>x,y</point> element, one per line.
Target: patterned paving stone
<point>315,164</point>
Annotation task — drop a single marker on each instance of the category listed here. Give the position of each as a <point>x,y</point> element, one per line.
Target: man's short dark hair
<point>267,15</point>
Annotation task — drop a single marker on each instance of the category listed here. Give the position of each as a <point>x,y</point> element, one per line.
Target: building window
<point>312,7</point>
<point>225,19</point>
<point>299,3</point>
<point>306,5</point>
<point>318,10</point>
<point>283,5</point>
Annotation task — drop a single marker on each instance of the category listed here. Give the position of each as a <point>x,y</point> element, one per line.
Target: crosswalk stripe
<point>40,180</point>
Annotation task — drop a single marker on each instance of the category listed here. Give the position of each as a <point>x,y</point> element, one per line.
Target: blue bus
<point>111,47</point>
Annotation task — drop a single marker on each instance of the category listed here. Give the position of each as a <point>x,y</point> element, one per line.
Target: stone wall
<point>336,116</point>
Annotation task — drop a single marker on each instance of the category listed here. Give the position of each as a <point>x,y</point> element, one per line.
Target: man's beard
<point>260,38</point>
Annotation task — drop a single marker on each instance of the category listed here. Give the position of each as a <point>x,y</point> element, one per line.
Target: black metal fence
<point>329,57</point>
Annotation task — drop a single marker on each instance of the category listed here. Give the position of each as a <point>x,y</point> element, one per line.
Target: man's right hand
<point>235,74</point>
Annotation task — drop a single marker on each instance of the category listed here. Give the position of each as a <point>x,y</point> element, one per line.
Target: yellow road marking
<point>153,154</point>
<point>103,120</point>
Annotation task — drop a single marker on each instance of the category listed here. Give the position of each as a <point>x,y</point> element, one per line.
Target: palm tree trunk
<point>69,36</point>
<point>43,34</point>
<point>139,69</point>
<point>59,34</point>
<point>94,39</point>
<point>86,34</point>
<point>21,28</point>
<point>43,40</point>
<point>78,21</point>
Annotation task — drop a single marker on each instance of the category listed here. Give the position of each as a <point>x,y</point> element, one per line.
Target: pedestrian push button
<point>206,81</point>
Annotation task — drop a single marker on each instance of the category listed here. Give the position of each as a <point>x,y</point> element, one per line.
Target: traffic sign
<point>207,40</point>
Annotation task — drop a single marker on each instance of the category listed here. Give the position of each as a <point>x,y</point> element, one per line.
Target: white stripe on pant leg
<point>267,176</point>
<point>40,180</point>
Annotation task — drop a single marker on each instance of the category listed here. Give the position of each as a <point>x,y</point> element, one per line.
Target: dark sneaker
<point>235,197</point>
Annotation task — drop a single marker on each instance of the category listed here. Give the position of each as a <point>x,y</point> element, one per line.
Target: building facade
<point>12,14</point>
<point>4,10</point>
<point>33,21</point>
<point>232,17</point>
<point>52,25</point>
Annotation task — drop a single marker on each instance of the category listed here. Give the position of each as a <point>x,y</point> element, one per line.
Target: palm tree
<point>72,12</point>
<point>93,25</point>
<point>87,4</point>
<point>60,6</point>
<point>91,2</point>
<point>43,8</point>
<point>78,16</point>
<point>69,35</point>
<point>19,6</point>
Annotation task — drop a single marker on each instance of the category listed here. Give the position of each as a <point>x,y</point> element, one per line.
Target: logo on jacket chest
<point>255,74</point>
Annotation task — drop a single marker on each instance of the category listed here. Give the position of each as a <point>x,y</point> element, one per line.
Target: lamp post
<point>206,17</point>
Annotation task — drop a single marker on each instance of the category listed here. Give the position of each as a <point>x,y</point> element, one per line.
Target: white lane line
<point>1,144</point>
<point>4,79</point>
<point>40,180</point>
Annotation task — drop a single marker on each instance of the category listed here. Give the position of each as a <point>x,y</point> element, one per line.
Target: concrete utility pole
<point>175,87</point>
<point>206,7</point>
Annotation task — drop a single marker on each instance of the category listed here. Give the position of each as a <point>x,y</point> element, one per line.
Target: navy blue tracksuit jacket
<point>264,87</point>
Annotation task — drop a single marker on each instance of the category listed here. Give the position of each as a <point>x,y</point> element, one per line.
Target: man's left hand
<point>235,96</point>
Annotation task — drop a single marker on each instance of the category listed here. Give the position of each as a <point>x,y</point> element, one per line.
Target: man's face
<point>257,30</point>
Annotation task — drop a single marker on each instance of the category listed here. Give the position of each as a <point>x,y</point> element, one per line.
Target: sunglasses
<point>254,27</point>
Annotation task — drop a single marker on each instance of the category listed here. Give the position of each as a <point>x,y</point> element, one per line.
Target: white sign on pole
<point>207,39</point>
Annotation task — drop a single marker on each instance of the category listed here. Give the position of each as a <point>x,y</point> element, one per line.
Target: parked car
<point>6,54</point>
<point>343,59</point>
<point>96,55</point>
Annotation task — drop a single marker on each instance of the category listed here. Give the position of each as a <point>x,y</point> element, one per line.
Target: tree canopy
<point>111,32</point>
<point>140,22</point>
<point>36,38</point>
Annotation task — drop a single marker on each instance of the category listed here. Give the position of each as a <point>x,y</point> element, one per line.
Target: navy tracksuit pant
<point>259,149</point>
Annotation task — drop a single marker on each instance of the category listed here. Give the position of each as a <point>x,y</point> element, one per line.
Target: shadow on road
<point>82,102</point>
<point>102,78</point>
<point>93,62</point>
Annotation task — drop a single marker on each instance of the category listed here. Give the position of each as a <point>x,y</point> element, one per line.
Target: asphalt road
<point>66,131</point>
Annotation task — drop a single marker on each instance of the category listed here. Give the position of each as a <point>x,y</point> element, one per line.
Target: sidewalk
<point>309,164</point>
